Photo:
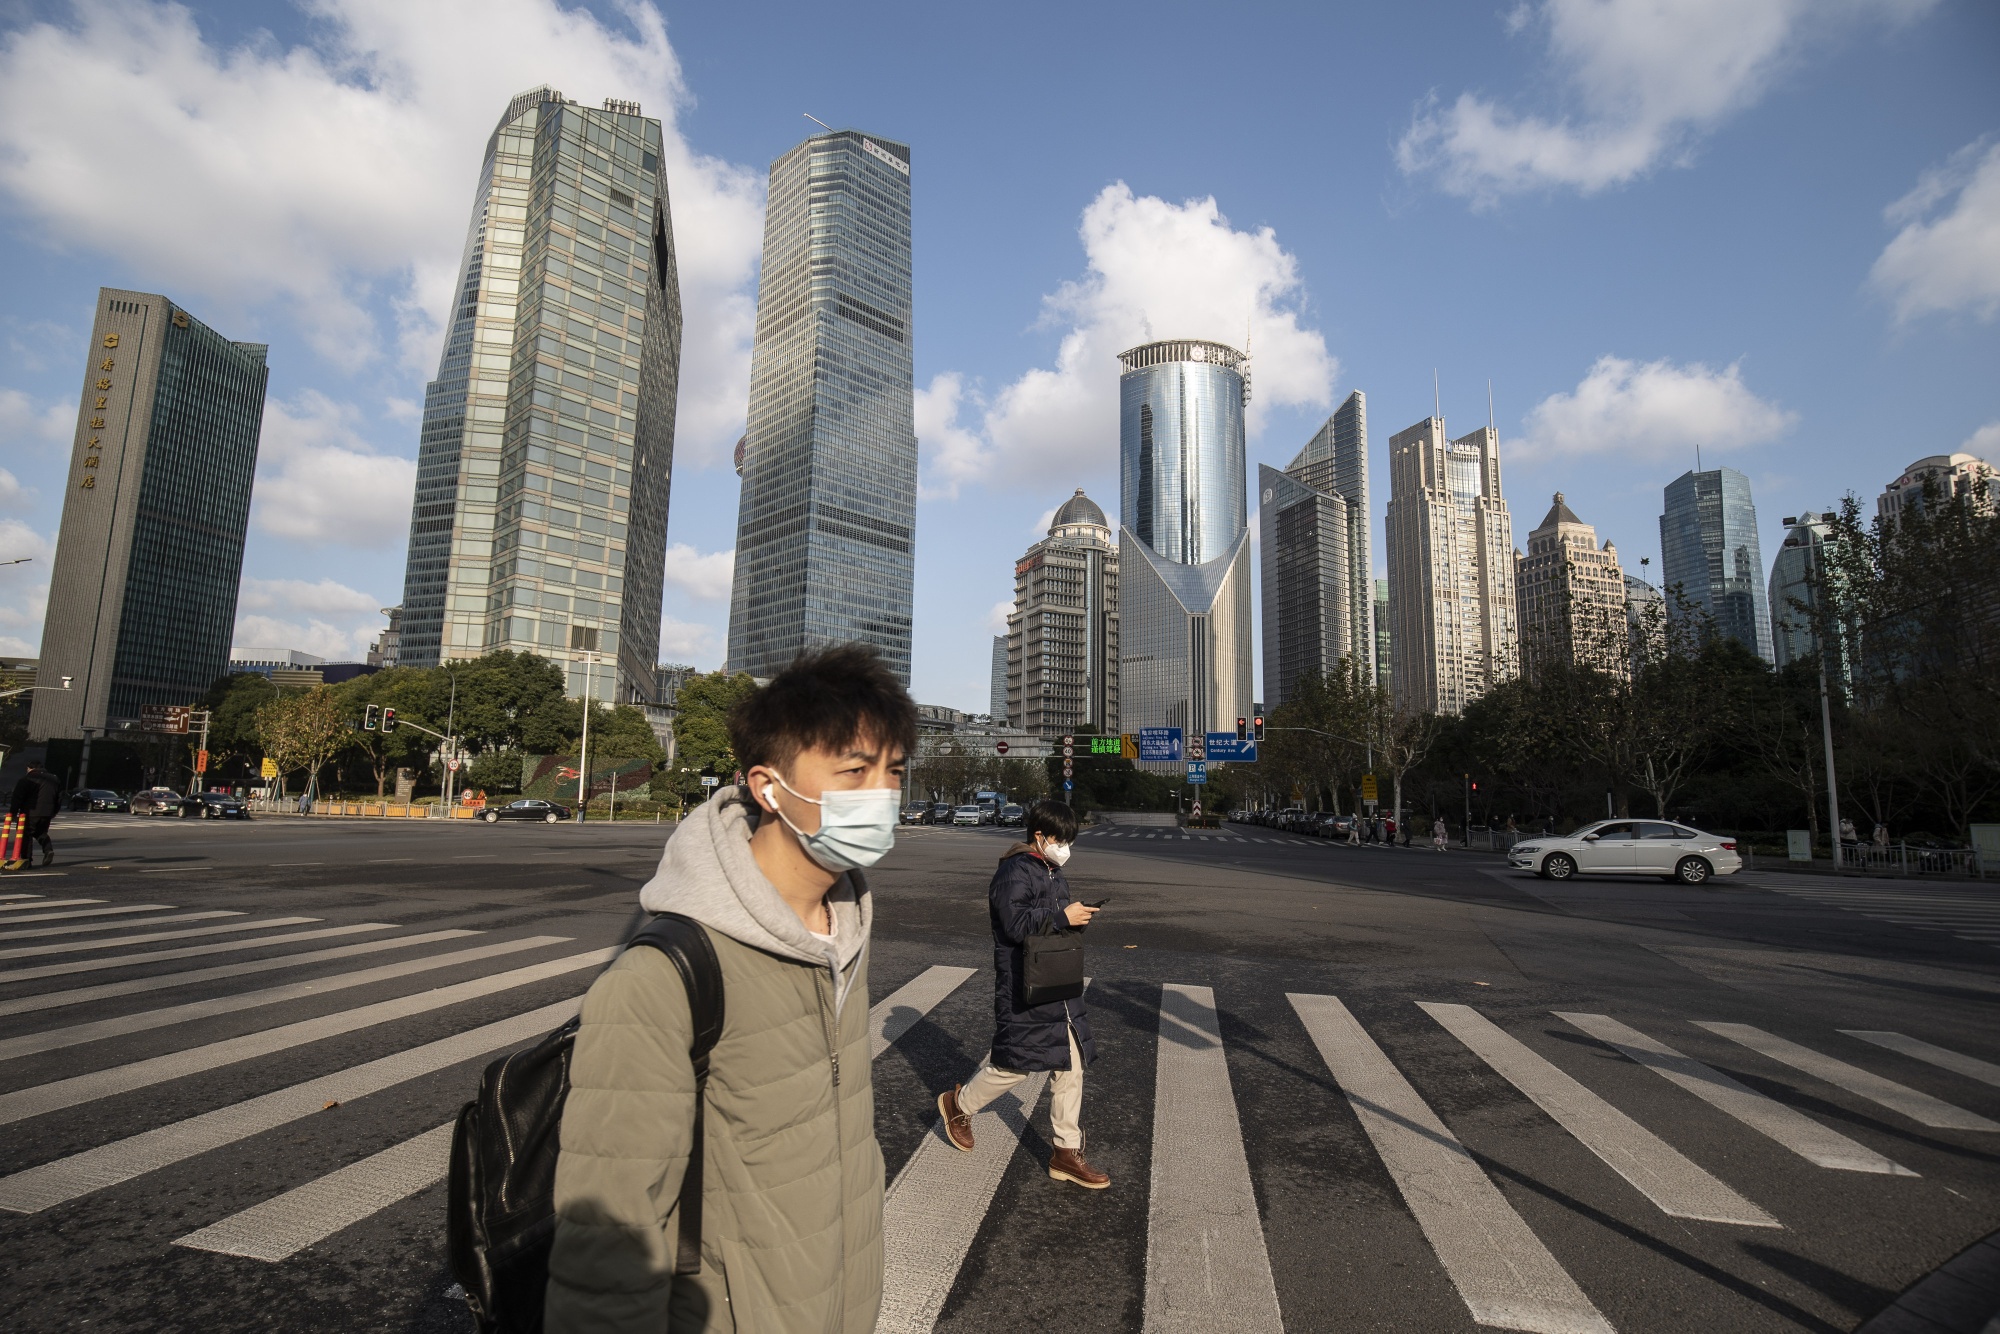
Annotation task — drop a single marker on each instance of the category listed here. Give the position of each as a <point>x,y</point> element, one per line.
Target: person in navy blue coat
<point>1029,896</point>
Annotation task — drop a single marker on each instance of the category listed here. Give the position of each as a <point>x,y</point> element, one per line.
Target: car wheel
<point>550,818</point>
<point>491,817</point>
<point>1692,871</point>
<point>1559,866</point>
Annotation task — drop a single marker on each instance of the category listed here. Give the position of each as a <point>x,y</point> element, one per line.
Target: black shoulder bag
<point>1052,965</point>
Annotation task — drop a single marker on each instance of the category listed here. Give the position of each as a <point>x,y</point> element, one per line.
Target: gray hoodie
<point>707,873</point>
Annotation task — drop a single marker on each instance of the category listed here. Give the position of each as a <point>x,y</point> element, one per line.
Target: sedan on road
<point>1629,847</point>
<point>96,799</point>
<point>1011,815</point>
<point>157,801</point>
<point>215,806</point>
<point>914,814</point>
<point>528,808</point>
<point>969,815</point>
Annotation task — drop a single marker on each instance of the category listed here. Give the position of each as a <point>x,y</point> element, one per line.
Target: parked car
<point>97,799</point>
<point>527,808</point>
<point>1629,847</point>
<point>941,812</point>
<point>156,801</point>
<point>973,815</point>
<point>1332,825</point>
<point>215,806</point>
<point>1012,815</point>
<point>917,812</point>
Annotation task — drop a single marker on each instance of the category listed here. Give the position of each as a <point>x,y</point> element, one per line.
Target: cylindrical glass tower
<point>1181,454</point>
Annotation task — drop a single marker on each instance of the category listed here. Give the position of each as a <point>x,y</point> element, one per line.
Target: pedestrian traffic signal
<point>1475,785</point>
<point>1242,729</point>
<point>368,717</point>
<point>1257,726</point>
<point>388,720</point>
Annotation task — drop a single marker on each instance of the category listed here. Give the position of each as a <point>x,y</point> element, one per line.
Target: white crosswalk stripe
<point>76,913</point>
<point>43,932</point>
<point>1503,1273</point>
<point>1657,1170</point>
<point>44,903</point>
<point>1966,915</point>
<point>1919,1107</point>
<point>1795,1130</point>
<point>1970,1066</point>
<point>75,966</point>
<point>1206,1265</point>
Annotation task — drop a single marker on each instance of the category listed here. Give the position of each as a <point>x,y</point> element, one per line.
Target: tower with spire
<point>1571,597</point>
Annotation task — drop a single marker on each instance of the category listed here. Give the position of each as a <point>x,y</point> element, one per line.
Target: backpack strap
<point>686,942</point>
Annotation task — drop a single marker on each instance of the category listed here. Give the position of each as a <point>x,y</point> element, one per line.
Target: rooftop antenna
<point>1437,399</point>
<point>817,121</point>
<point>1489,406</point>
<point>1697,456</point>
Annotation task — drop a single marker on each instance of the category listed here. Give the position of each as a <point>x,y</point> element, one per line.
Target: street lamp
<point>1815,573</point>
<point>583,746</point>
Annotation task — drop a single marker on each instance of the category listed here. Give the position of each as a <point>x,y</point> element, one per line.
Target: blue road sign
<point>1225,746</point>
<point>1160,744</point>
<point>1068,785</point>
<point>1197,771</point>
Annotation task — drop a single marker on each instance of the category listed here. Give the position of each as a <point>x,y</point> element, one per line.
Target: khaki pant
<point>1065,1098</point>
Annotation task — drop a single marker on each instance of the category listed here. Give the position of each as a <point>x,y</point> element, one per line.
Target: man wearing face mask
<point>791,1224</point>
<point>1029,896</point>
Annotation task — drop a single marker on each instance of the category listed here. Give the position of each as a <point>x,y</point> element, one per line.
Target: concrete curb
<point>1960,1296</point>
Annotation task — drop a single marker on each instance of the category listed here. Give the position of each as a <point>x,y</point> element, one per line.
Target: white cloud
<point>321,617</point>
<point>689,642</point>
<point>1646,79</point>
<point>21,420</point>
<point>997,614</point>
<point>1155,270</point>
<point>14,496</point>
<point>336,175</point>
<point>1652,410</point>
<point>1950,261</point>
<point>707,577</point>
<point>24,589</point>
<point>1985,442</point>
<point>320,483</point>
<point>324,597</point>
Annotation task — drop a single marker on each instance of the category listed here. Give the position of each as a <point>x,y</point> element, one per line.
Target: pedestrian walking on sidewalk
<point>791,1225</point>
<point>36,797</point>
<point>1438,834</point>
<point>1029,896</point>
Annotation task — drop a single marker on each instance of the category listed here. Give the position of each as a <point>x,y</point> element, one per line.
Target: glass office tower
<point>547,451</point>
<point>1709,552</point>
<point>142,598</point>
<point>1313,538</point>
<point>826,525</point>
<point>1184,547</point>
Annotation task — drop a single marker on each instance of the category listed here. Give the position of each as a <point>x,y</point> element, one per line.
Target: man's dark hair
<point>824,701</point>
<point>1051,817</point>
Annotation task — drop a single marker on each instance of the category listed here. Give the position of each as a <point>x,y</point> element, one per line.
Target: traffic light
<point>388,719</point>
<point>1242,729</point>
<point>368,717</point>
<point>1475,785</point>
<point>1257,726</point>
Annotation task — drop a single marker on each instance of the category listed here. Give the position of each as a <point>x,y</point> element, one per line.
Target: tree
<point>305,730</point>
<point>701,725</point>
<point>404,689</point>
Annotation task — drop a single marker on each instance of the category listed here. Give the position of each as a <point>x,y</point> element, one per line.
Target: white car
<point>1629,847</point>
<point>973,815</point>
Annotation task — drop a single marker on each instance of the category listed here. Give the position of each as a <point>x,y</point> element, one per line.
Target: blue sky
<point>1769,229</point>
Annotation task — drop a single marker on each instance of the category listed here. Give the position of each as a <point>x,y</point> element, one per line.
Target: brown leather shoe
<point>1068,1165</point>
<point>957,1125</point>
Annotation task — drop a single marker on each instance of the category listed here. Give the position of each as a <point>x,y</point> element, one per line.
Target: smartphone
<point>1099,904</point>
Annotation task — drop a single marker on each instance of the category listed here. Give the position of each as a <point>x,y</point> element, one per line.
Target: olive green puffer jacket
<point>792,1189</point>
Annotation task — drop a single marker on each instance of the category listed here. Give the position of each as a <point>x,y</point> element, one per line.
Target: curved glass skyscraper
<point>1709,551</point>
<point>1185,537</point>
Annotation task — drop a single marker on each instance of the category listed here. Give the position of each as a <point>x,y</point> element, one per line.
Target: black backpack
<point>500,1212</point>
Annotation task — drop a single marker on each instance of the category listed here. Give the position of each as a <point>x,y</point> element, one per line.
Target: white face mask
<point>1055,854</point>
<point>856,829</point>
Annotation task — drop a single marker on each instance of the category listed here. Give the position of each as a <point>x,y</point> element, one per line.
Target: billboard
<point>1160,744</point>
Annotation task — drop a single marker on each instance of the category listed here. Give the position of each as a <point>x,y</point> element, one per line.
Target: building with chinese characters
<point>547,447</point>
<point>156,505</point>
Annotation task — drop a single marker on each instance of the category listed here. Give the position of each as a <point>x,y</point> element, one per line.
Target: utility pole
<point>1825,708</point>
<point>1468,810</point>
<point>450,745</point>
<point>583,747</point>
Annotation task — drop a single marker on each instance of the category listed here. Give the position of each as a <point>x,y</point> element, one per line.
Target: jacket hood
<point>1020,849</point>
<point>707,873</point>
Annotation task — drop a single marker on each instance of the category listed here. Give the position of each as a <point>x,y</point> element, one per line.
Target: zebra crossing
<point>1207,1260</point>
<point>1199,836</point>
<point>1969,914</point>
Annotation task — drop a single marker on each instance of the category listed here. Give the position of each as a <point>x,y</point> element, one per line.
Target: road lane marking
<point>50,1000</point>
<point>75,966</point>
<point>275,864</point>
<point>79,1174</point>
<point>1656,1169</point>
<point>1793,1129</point>
<point>75,913</point>
<point>1919,1107</point>
<point>40,902</point>
<point>898,1012</point>
<point>53,1039</point>
<point>1502,1272</point>
<point>1206,1265</point>
<point>281,1227</point>
<point>1971,1066</point>
<point>40,1099</point>
<point>10,897</point>
<point>934,1207</point>
<point>69,947</point>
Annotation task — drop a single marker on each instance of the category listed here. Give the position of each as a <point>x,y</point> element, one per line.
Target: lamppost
<point>83,765</point>
<point>1815,575</point>
<point>583,747</point>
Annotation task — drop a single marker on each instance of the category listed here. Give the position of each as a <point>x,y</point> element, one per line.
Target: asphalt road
<point>202,1131</point>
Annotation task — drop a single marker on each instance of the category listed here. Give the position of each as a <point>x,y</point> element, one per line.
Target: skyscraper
<point>1796,573</point>
<point>1709,554</point>
<point>1184,543</point>
<point>1570,595</point>
<point>1451,568</point>
<point>996,699</point>
<point>1383,672</point>
<point>1313,538</point>
<point>142,599</point>
<point>1948,475</point>
<point>1062,637</point>
<point>825,528</point>
<point>543,471</point>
